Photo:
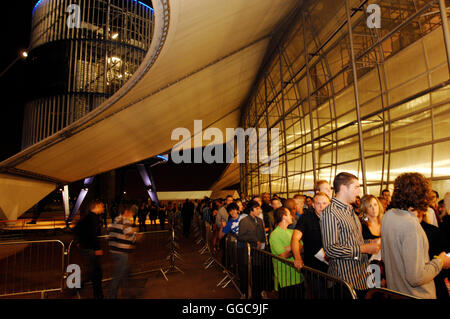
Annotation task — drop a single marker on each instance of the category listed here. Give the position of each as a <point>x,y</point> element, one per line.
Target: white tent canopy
<point>201,65</point>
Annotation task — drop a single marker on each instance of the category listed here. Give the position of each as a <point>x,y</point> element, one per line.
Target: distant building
<point>80,54</point>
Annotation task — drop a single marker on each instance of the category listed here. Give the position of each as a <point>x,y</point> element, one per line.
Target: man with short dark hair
<point>386,194</point>
<point>291,205</point>
<point>342,238</point>
<point>269,221</point>
<point>243,197</point>
<point>251,231</point>
<point>266,202</point>
<point>287,280</point>
<point>87,232</point>
<point>309,203</point>
<point>257,199</point>
<point>266,208</point>
<point>232,226</point>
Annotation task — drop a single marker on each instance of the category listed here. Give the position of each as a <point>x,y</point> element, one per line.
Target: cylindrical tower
<point>81,52</point>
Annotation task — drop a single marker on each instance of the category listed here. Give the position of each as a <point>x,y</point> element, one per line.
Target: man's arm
<point>225,229</point>
<point>277,248</point>
<point>295,247</point>
<point>330,239</point>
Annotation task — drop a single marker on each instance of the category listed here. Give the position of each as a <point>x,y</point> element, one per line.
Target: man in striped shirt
<point>342,235</point>
<point>122,236</point>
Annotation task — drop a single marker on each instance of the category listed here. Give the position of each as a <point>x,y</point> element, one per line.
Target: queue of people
<point>406,233</point>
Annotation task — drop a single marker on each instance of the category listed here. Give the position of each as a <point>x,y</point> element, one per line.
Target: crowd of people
<point>143,210</point>
<point>406,233</point>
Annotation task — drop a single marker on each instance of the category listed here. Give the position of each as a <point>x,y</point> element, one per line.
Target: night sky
<point>15,32</point>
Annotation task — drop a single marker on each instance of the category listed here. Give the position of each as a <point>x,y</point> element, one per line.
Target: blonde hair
<point>318,183</point>
<point>321,194</point>
<point>365,202</point>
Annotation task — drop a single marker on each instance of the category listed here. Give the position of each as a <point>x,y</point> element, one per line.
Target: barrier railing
<point>147,257</point>
<point>207,237</point>
<point>308,283</point>
<point>30,267</point>
<point>173,255</point>
<point>210,244</point>
<point>383,293</point>
<point>231,262</point>
<point>30,223</point>
<point>259,274</point>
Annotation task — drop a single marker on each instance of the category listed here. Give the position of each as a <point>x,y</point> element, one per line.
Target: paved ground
<point>195,282</point>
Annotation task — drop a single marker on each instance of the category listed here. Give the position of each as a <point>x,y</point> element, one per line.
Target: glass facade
<point>394,118</point>
<point>82,52</point>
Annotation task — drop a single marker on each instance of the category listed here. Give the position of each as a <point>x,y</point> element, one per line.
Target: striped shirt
<point>121,235</point>
<point>342,238</point>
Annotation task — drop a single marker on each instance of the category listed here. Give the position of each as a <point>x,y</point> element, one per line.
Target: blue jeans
<point>120,274</point>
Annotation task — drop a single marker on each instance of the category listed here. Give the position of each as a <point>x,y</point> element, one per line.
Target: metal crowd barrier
<point>30,267</point>
<point>231,262</point>
<point>384,293</point>
<point>211,249</point>
<point>173,255</point>
<point>147,257</point>
<point>30,223</point>
<point>259,274</point>
<point>220,258</point>
<point>269,271</point>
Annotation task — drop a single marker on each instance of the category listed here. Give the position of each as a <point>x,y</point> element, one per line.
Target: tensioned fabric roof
<point>201,65</point>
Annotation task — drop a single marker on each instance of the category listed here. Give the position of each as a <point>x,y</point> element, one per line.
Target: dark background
<point>15,88</point>
<point>15,26</point>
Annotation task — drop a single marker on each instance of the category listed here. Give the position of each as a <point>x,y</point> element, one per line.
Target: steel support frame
<point>308,81</point>
<point>384,90</point>
<point>356,93</point>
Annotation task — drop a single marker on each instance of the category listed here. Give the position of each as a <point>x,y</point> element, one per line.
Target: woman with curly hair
<point>404,244</point>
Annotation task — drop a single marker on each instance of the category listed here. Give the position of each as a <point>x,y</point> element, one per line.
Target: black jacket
<point>88,230</point>
<point>251,230</point>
